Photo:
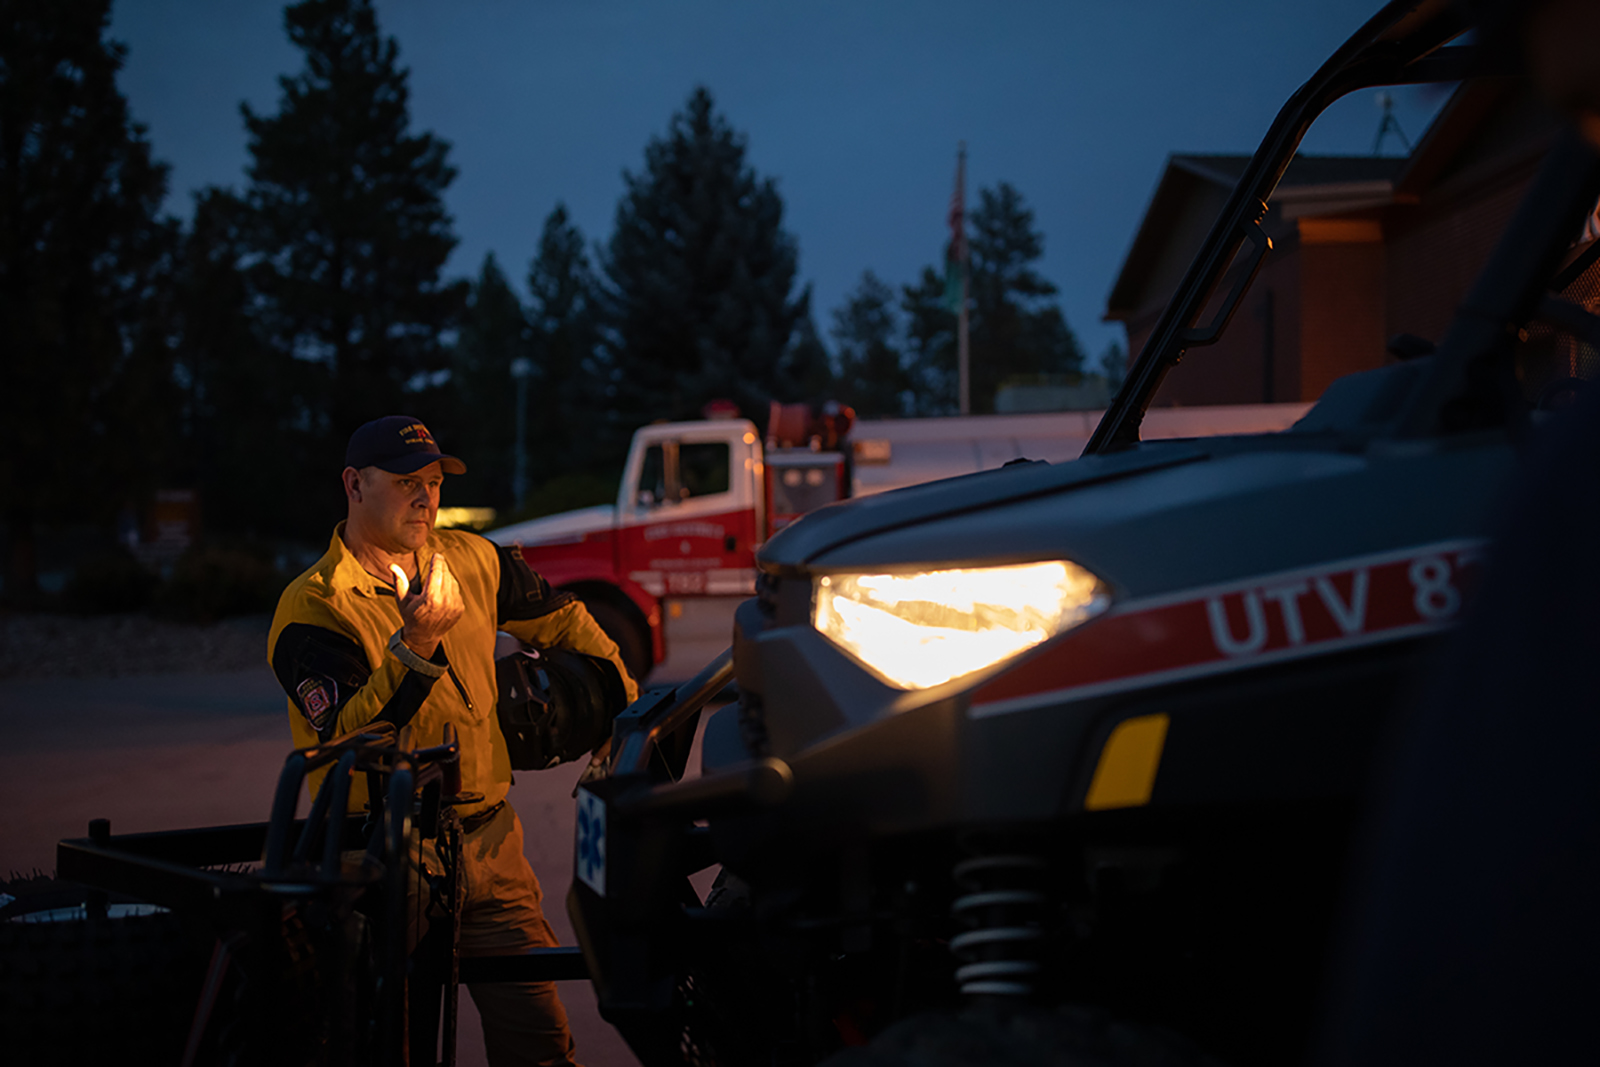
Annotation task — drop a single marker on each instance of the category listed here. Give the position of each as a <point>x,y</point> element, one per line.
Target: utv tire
<point>632,643</point>
<point>716,1010</point>
<point>1020,1036</point>
<point>73,989</point>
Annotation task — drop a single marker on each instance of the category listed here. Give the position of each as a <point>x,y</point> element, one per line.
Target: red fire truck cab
<point>696,500</point>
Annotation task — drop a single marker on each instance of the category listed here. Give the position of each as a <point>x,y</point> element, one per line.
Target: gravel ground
<point>34,645</point>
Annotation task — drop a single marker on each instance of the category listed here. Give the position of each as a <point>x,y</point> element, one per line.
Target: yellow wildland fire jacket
<point>329,647</point>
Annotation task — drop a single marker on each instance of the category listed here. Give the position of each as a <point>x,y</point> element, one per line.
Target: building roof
<point>1303,170</point>
<point>1487,129</point>
<point>1345,181</point>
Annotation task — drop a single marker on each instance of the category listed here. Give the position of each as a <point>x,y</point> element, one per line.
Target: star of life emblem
<point>590,861</point>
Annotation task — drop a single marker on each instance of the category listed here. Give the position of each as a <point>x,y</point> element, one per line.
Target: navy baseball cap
<point>398,444</point>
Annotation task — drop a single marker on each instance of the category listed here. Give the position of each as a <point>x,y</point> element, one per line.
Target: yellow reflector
<point>1126,772</point>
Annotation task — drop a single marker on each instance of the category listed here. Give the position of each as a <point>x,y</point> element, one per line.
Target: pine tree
<point>85,268</point>
<point>241,396</point>
<point>930,345</point>
<point>483,417</point>
<point>700,272</point>
<point>351,231</point>
<point>805,373</point>
<point>1113,365</point>
<point>871,378</point>
<point>1016,329</point>
<point>570,403</point>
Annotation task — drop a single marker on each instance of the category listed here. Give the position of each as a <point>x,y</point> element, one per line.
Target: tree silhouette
<point>700,272</point>
<point>570,402</point>
<point>805,372</point>
<point>1017,330</point>
<point>871,378</point>
<point>482,418</point>
<point>85,262</point>
<point>350,228</point>
<point>1113,365</point>
<point>242,396</point>
<point>930,345</point>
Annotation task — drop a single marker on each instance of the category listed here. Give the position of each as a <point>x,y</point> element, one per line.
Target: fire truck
<point>698,498</point>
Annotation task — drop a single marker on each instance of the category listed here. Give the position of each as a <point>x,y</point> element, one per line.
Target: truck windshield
<point>674,471</point>
<point>703,468</point>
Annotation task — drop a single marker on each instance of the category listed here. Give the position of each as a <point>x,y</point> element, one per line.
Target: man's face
<point>397,510</point>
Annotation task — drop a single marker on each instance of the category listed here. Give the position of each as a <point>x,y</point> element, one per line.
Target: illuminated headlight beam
<point>920,630</point>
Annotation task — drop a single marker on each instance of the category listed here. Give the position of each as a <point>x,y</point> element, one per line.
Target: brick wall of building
<point>1436,250</point>
<point>1342,325</point>
<point>1246,366</point>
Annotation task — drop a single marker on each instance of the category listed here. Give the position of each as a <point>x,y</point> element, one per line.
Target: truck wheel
<point>75,989</point>
<point>1020,1036</point>
<point>633,644</point>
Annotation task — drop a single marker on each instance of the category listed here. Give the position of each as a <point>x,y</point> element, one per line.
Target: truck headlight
<point>918,630</point>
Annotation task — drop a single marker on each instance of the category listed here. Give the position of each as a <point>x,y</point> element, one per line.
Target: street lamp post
<point>521,369</point>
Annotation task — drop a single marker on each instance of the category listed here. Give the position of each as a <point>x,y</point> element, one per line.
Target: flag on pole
<point>955,255</point>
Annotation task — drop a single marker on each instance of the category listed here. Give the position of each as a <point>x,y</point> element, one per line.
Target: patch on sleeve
<point>317,696</point>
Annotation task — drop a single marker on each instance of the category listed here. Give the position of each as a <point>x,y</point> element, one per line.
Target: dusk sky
<point>855,108</point>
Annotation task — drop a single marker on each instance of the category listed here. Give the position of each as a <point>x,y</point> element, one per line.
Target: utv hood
<point>1161,516</point>
<point>838,525</point>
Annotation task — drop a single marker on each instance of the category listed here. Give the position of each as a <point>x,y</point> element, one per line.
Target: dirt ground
<point>115,646</point>
<point>159,726</point>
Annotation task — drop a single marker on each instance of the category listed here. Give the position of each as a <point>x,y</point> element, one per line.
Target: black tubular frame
<point>640,729</point>
<point>649,786</point>
<point>175,869</point>
<point>1403,44</point>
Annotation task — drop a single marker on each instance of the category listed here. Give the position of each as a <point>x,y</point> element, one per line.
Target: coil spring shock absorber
<point>1003,904</point>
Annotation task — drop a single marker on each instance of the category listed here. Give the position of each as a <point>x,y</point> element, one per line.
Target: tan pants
<point>523,1022</point>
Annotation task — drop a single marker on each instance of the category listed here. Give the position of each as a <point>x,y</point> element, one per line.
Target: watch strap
<point>404,653</point>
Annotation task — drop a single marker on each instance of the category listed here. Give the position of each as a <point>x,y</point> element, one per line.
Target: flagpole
<point>962,356</point>
<point>962,352</point>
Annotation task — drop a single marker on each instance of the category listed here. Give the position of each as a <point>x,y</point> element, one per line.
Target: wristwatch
<point>404,654</point>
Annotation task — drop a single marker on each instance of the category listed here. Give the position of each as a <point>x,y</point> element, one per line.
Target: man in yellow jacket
<point>397,622</point>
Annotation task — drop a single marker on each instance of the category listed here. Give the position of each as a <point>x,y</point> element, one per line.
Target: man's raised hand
<point>430,612</point>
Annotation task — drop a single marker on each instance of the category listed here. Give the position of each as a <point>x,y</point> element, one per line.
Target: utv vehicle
<point>1091,737</point>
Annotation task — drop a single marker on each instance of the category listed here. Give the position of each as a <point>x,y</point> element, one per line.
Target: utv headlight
<point>918,630</point>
